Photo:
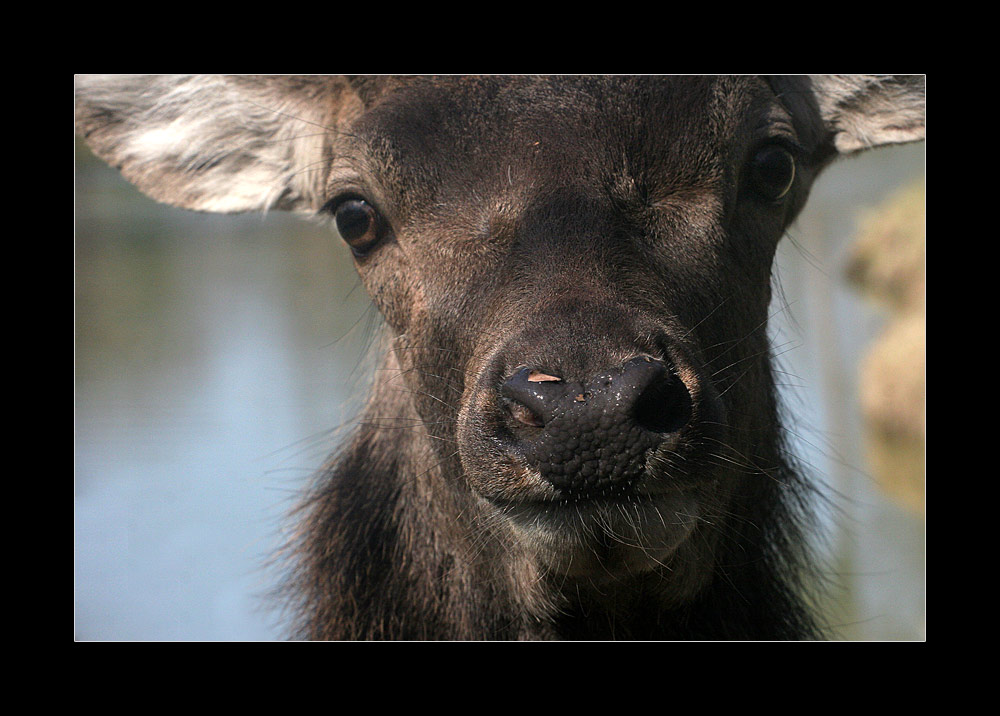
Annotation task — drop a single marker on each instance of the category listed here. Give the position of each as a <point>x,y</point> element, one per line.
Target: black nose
<point>584,436</point>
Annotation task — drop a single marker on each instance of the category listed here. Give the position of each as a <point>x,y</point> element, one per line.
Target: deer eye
<point>358,225</point>
<point>772,172</point>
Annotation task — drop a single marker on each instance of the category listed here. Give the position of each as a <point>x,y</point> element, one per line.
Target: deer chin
<point>621,531</point>
<point>605,538</point>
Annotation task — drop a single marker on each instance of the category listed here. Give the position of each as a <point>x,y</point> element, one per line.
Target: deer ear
<point>849,113</point>
<point>864,111</point>
<point>216,143</point>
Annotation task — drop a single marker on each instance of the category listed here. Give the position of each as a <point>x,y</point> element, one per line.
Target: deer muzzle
<point>588,437</point>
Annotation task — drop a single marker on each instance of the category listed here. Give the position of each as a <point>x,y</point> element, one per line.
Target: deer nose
<point>584,437</point>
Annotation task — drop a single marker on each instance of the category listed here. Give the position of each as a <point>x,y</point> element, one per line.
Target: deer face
<point>575,272</point>
<point>577,276</point>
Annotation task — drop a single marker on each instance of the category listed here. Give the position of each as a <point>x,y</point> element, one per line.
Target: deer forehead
<point>442,144</point>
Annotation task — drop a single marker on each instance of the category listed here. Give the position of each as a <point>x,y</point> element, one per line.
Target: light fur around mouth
<point>605,538</point>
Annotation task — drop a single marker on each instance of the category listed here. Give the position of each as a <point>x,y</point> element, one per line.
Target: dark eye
<point>772,172</point>
<point>358,225</point>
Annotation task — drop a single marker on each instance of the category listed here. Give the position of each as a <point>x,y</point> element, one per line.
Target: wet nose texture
<point>586,436</point>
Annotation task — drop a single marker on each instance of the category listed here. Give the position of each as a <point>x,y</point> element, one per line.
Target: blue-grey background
<point>216,355</point>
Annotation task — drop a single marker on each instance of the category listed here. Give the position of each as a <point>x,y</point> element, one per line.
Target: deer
<point>578,434</point>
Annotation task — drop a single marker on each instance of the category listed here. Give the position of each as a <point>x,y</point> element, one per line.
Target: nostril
<point>523,414</point>
<point>664,406</point>
<point>529,393</point>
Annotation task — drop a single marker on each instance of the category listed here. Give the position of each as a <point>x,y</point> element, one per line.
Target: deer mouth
<point>606,537</point>
<point>598,470</point>
<point>609,524</point>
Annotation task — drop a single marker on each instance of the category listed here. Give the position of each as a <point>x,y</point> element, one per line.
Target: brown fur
<point>574,225</point>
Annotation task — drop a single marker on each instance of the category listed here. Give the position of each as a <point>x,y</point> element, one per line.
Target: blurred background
<point>215,356</point>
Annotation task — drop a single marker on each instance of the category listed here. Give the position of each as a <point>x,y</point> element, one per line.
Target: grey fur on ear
<point>851,113</point>
<point>211,142</point>
<point>864,111</point>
